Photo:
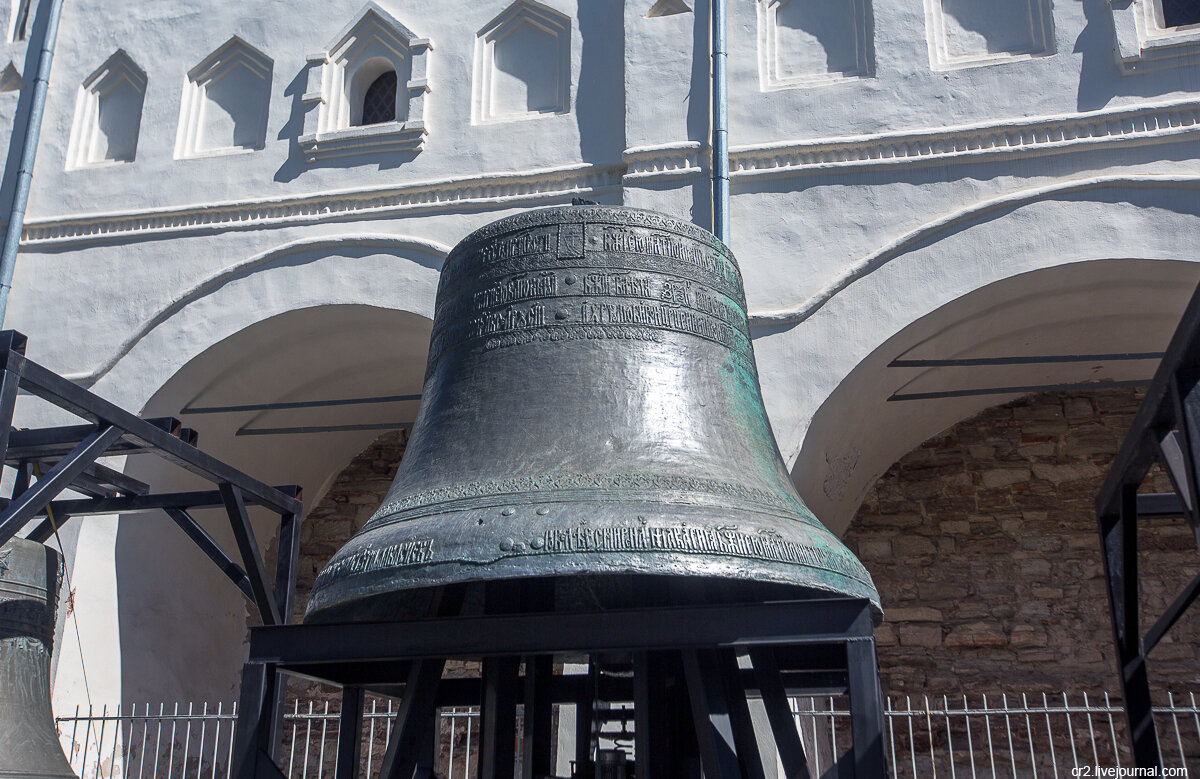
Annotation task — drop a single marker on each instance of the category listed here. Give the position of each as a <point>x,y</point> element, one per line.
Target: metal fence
<point>961,736</point>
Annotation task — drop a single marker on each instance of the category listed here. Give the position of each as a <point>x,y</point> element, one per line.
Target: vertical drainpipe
<point>29,144</point>
<point>720,123</point>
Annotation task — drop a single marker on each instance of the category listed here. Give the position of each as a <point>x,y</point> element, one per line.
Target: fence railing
<point>1002,735</point>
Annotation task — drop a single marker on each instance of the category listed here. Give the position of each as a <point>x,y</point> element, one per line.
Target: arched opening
<point>379,101</point>
<point>982,542</point>
<point>1180,13</point>
<point>1039,328</point>
<point>188,622</point>
<point>374,93</point>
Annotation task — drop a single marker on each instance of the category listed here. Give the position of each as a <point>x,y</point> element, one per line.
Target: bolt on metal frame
<point>1166,430</point>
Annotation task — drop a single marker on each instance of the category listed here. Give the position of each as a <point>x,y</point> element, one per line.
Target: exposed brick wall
<point>983,544</point>
<point>352,498</point>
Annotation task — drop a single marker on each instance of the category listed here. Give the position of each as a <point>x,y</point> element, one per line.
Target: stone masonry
<point>983,544</point>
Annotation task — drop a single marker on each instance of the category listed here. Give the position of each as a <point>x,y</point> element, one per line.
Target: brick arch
<point>982,541</point>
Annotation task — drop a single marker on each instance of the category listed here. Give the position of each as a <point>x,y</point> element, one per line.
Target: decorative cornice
<point>444,195</point>
<point>665,160</point>
<point>1045,135</point>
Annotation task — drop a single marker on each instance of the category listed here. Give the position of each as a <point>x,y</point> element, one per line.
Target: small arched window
<point>379,101</point>
<point>1180,13</point>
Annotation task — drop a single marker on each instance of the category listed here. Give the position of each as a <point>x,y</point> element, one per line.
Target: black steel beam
<point>629,630</point>
<point>199,499</point>
<point>11,364</point>
<point>1172,614</point>
<point>239,520</point>
<point>538,734</point>
<point>349,745</point>
<point>710,716</point>
<point>1159,504</point>
<point>114,478</point>
<point>498,718</point>
<point>414,717</point>
<point>27,505</point>
<point>779,713</point>
<point>212,550</point>
<point>1156,413</point>
<point>54,388</point>
<point>51,443</point>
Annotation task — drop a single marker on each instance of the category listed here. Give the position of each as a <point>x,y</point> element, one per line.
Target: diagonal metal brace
<point>235,505</point>
<point>26,506</point>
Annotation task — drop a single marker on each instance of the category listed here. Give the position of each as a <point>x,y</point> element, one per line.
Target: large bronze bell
<point>30,577</point>
<point>591,407</point>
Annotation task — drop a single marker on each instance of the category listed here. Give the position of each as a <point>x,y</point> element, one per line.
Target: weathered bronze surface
<point>30,577</point>
<point>591,406</point>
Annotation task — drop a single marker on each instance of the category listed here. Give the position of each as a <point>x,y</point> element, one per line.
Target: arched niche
<point>183,624</point>
<point>225,102</point>
<point>523,64</point>
<point>926,377</point>
<point>108,114</point>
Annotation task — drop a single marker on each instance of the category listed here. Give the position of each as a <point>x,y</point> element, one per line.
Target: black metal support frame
<point>689,691</point>
<point>1166,429</point>
<point>68,456</point>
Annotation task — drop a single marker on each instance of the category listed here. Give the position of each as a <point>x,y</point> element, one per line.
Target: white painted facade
<point>210,224</point>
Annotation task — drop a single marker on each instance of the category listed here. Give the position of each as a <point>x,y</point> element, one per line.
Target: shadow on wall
<point>1100,79</point>
<point>600,98</point>
<point>830,25</point>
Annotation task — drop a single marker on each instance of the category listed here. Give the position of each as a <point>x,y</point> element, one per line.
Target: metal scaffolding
<point>1165,430</point>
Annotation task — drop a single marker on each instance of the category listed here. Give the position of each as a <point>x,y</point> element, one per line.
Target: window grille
<point>379,102</point>
<point>1179,13</point>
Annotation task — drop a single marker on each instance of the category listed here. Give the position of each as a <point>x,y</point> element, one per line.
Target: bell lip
<point>372,608</point>
<point>338,602</point>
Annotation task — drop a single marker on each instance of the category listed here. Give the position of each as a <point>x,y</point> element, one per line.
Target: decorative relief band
<point>433,501</point>
<point>586,279</point>
<point>530,186</point>
<point>1036,136</point>
<point>694,540</point>
<point>412,552</point>
<point>1047,135</point>
<point>619,539</point>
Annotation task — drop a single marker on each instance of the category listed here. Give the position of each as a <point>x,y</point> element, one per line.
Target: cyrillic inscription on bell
<point>591,406</point>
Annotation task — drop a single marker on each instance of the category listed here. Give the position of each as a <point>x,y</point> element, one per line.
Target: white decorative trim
<point>1040,41</point>
<point>1144,43</point>
<point>373,43</point>
<point>443,195</point>
<point>1046,135</point>
<point>235,54</point>
<point>547,22</point>
<point>771,68</point>
<point>119,72</point>
<point>665,160</point>
<point>249,265</point>
<point>863,267</point>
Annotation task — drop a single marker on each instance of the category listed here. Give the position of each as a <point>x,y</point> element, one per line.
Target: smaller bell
<point>30,579</point>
